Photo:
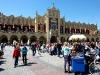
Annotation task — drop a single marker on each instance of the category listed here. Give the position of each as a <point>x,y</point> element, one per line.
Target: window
<point>77,31</point>
<point>17,28</point>
<point>82,31</point>
<point>87,32</point>
<point>26,29</point>
<point>66,31</point>
<point>61,29</point>
<point>72,31</point>
<point>32,29</point>
<point>41,27</point>
<point>9,28</point>
<point>53,25</point>
<point>0,27</point>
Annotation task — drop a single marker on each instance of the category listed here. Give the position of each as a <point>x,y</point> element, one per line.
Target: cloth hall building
<point>48,28</point>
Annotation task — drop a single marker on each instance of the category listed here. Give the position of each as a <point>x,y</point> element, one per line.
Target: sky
<point>87,11</point>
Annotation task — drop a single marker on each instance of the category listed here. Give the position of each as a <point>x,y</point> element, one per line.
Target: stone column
<point>8,40</point>
<point>38,39</point>
<point>58,29</point>
<point>47,29</point>
<point>36,23</point>
<point>28,42</point>
<point>19,41</point>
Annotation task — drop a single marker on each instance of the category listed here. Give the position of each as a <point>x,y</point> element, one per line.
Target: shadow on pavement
<point>2,62</point>
<point>3,58</point>
<point>38,56</point>
<point>1,69</point>
<point>28,64</point>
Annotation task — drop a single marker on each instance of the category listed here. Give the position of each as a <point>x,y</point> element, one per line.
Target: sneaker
<point>69,71</point>
<point>14,66</point>
<point>66,71</point>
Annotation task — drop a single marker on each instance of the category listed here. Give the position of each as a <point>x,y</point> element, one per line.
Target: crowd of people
<point>67,49</point>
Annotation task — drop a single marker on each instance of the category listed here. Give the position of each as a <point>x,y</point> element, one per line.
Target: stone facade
<point>47,28</point>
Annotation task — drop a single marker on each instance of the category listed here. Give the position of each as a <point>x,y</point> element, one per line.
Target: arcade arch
<point>87,40</point>
<point>33,39</point>
<point>3,38</point>
<point>42,39</point>
<point>24,39</point>
<point>97,39</point>
<point>62,39</point>
<point>92,39</point>
<point>12,38</point>
<point>53,39</point>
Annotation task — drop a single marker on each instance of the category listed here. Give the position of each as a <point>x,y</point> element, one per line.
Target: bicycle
<point>94,66</point>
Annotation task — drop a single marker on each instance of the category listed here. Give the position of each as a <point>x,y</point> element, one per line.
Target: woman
<point>16,55</point>
<point>66,50</point>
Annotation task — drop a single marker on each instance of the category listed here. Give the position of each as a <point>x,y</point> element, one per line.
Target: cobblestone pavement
<point>37,65</point>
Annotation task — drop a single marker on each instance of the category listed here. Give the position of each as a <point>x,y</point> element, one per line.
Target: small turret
<point>53,7</point>
<point>36,13</point>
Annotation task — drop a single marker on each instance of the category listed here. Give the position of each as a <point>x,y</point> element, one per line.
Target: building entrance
<point>4,40</point>
<point>53,39</point>
<point>24,40</point>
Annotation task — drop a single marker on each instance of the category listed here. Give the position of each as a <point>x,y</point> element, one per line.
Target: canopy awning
<point>77,37</point>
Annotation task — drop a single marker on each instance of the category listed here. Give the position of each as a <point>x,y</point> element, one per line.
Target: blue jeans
<point>24,58</point>
<point>34,51</point>
<point>58,52</point>
<point>16,61</point>
<point>66,60</point>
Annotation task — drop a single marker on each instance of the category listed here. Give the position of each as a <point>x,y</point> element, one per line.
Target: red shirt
<point>38,45</point>
<point>16,52</point>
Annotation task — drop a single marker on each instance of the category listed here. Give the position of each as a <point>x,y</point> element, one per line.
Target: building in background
<point>48,28</point>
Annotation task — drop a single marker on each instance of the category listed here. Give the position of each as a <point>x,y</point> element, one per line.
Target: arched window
<point>17,29</point>
<point>53,25</point>
<point>26,29</point>
<point>0,28</point>
<point>61,29</point>
<point>9,28</point>
<point>41,27</point>
<point>32,29</point>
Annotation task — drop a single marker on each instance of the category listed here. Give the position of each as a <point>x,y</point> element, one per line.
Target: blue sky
<point>87,11</point>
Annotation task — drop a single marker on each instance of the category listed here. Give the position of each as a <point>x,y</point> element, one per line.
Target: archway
<point>53,39</point>
<point>97,39</point>
<point>4,39</point>
<point>42,39</point>
<point>33,39</point>
<point>92,39</point>
<point>87,39</point>
<point>62,39</point>
<point>24,39</point>
<point>13,37</point>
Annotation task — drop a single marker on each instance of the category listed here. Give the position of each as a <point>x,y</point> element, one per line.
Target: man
<point>24,54</point>
<point>58,49</point>
<point>33,47</point>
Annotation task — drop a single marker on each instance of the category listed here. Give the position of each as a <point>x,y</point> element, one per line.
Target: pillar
<point>28,42</point>
<point>8,41</point>
<point>47,30</point>
<point>19,40</point>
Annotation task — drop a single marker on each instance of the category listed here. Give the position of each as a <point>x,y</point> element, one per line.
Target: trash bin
<point>78,64</point>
